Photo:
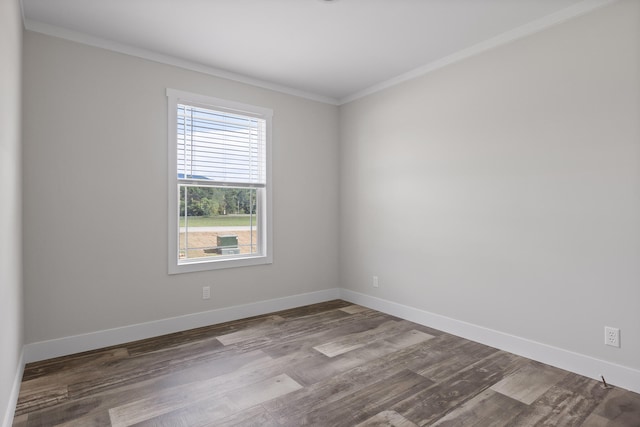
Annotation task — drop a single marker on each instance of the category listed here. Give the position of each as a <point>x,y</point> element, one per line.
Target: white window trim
<point>174,267</point>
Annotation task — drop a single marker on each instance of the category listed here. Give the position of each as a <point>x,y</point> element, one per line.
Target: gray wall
<point>95,193</point>
<point>501,191</point>
<point>10,222</point>
<point>504,190</point>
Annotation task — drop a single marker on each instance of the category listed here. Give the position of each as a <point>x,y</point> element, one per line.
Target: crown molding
<point>561,16</point>
<point>533,27</point>
<point>66,34</point>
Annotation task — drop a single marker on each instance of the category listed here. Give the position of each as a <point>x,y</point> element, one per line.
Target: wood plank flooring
<point>330,364</point>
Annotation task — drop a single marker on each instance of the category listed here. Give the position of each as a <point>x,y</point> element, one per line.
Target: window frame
<point>265,255</point>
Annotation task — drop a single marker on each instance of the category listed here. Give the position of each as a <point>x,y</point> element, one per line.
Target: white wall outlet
<point>374,282</point>
<point>206,292</point>
<point>612,336</point>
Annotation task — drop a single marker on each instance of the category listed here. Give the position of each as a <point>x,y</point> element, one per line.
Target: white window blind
<point>220,147</point>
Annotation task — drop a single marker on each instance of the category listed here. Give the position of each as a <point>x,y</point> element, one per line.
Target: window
<point>219,183</point>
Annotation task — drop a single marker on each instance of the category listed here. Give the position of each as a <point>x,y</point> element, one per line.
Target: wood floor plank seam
<point>332,364</point>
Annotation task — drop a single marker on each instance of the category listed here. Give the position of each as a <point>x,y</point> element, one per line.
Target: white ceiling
<point>333,51</point>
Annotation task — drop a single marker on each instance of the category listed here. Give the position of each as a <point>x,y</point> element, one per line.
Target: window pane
<point>219,175</point>
<point>217,221</point>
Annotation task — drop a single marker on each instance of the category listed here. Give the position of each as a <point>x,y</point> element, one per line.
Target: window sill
<point>218,264</point>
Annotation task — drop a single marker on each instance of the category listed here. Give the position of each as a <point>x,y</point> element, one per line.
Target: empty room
<point>320,212</point>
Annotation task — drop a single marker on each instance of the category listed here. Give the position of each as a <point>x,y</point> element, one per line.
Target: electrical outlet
<point>612,336</point>
<point>375,281</point>
<point>206,292</point>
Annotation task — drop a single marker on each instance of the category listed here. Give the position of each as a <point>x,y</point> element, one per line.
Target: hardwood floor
<point>330,364</point>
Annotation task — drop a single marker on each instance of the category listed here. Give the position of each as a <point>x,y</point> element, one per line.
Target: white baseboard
<point>78,343</point>
<point>15,391</point>
<point>620,376</point>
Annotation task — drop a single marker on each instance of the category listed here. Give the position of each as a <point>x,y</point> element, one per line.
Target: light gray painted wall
<point>95,193</point>
<point>10,222</point>
<point>501,191</point>
<point>504,190</point>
